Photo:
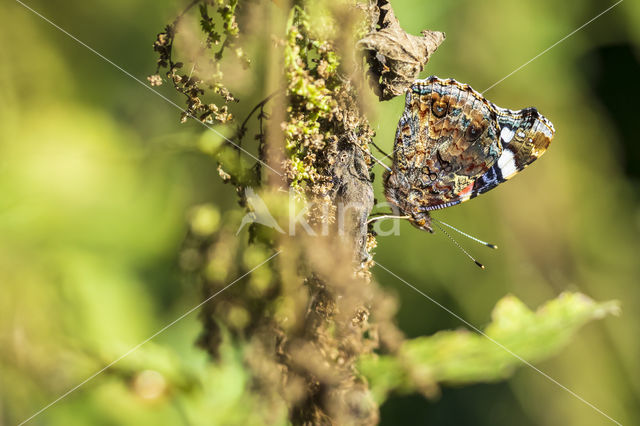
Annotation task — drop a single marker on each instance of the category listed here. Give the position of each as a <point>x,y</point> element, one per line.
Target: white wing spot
<point>507,164</point>
<point>506,134</point>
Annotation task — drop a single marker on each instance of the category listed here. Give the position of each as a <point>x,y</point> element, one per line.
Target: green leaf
<point>458,357</point>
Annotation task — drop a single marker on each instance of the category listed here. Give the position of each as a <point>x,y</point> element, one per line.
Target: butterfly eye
<point>473,132</point>
<point>439,108</point>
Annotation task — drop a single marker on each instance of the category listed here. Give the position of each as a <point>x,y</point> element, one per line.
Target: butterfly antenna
<point>459,246</point>
<point>380,150</point>
<point>484,243</point>
<point>379,162</point>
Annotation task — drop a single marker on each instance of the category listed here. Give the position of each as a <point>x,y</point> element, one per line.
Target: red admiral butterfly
<point>452,144</point>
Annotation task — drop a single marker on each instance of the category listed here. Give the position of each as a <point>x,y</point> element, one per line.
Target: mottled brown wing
<point>447,137</point>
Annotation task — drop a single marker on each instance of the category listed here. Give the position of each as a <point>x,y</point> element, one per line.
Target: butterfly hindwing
<point>524,135</point>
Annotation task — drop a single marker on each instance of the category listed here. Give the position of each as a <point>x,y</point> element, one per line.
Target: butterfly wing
<point>452,144</point>
<point>524,135</point>
<point>447,137</point>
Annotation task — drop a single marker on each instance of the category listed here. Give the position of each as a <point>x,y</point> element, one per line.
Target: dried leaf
<point>395,58</point>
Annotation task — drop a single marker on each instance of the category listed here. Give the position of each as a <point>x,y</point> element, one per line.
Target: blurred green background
<point>97,178</point>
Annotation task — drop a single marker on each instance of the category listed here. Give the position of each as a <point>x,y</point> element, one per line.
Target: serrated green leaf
<point>458,357</point>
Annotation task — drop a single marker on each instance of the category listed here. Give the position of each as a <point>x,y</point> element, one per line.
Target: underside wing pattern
<point>452,144</point>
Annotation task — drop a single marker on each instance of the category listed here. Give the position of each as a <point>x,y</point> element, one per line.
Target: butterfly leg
<point>421,220</point>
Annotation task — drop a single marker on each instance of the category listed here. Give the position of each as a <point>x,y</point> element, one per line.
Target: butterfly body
<point>452,144</point>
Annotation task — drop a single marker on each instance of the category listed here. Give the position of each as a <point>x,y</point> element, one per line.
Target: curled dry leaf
<point>395,58</point>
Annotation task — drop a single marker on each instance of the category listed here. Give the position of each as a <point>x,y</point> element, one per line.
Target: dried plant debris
<point>395,58</point>
<point>305,320</point>
<point>352,188</point>
<point>202,76</point>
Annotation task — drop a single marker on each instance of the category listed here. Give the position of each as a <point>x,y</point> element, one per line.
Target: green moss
<point>311,67</point>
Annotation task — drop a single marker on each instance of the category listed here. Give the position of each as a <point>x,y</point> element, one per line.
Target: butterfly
<point>452,145</point>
